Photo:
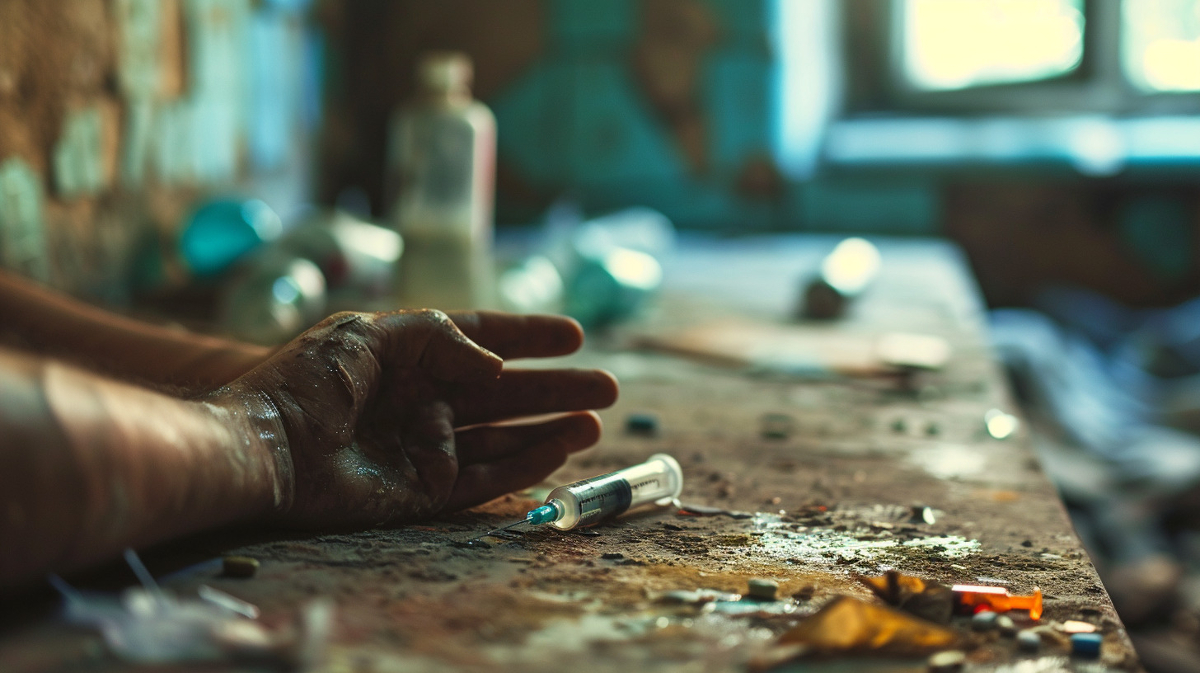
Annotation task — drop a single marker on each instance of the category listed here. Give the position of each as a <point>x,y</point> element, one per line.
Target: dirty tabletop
<point>837,487</point>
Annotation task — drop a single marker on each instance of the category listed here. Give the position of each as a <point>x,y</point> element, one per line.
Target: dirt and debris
<point>851,625</point>
<point>929,600</point>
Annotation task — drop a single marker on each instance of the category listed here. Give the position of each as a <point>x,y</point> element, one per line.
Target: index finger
<point>520,336</point>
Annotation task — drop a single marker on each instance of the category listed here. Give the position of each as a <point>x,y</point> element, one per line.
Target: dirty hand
<point>390,417</point>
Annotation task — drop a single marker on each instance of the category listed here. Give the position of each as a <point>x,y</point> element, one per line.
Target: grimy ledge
<point>809,476</point>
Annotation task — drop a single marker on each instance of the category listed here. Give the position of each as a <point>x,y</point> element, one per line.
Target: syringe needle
<point>511,525</point>
<point>490,533</point>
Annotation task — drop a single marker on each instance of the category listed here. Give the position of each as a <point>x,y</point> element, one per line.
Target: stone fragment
<point>763,590</point>
<point>776,426</point>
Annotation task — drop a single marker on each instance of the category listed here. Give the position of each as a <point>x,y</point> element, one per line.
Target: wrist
<point>256,424</point>
<point>213,366</point>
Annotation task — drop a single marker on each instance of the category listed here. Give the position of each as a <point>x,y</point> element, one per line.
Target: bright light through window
<point>953,44</point>
<point>1160,46</point>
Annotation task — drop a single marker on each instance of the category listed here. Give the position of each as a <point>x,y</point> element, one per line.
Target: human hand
<point>392,417</point>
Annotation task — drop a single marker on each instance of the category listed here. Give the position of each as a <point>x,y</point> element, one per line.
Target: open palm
<point>390,417</point>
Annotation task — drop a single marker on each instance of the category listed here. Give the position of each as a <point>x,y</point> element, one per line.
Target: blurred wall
<point>116,115</point>
<point>675,104</point>
<point>666,103</point>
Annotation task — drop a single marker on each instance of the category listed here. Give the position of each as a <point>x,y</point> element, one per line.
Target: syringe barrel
<point>658,478</point>
<point>588,502</point>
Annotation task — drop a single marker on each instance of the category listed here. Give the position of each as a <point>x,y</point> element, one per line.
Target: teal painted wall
<point>583,121</point>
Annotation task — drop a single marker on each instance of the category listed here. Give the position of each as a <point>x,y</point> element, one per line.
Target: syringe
<point>590,501</point>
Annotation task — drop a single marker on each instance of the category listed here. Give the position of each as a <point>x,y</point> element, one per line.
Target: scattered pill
<point>239,566</point>
<point>947,662</point>
<point>984,620</point>
<point>1074,626</point>
<point>642,424</point>
<point>1029,640</point>
<point>922,514</point>
<point>1086,644</point>
<point>1006,625</point>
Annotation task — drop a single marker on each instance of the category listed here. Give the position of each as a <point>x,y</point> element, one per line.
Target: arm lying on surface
<point>90,465</point>
<point>37,319</point>
<point>366,419</point>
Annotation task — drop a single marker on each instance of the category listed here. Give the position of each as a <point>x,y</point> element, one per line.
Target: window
<point>1005,56</point>
<point>1101,85</point>
<point>953,44</point>
<point>1160,46</point>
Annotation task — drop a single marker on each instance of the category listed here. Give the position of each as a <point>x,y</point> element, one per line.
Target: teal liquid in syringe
<point>590,501</point>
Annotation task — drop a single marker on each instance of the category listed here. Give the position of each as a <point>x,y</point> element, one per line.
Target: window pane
<point>1160,44</point>
<point>952,44</point>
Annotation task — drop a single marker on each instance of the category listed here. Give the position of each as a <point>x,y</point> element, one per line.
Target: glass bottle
<point>442,162</point>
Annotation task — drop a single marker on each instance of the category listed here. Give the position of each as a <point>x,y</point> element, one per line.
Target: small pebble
<point>984,620</point>
<point>763,590</point>
<point>899,425</point>
<point>805,593</point>
<point>947,662</point>
<point>477,543</point>
<point>776,426</point>
<point>680,597</point>
<point>1006,625</point>
<point>1086,645</point>
<point>1029,640</point>
<point>612,555</point>
<point>932,429</point>
<point>239,566</point>
<point>642,424</point>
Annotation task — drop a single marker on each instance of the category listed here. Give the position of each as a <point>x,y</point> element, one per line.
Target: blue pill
<point>1086,644</point>
<point>641,424</point>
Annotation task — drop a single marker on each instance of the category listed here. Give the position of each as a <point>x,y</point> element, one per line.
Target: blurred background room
<point>246,167</point>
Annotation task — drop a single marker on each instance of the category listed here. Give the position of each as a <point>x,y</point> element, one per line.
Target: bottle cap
<point>445,72</point>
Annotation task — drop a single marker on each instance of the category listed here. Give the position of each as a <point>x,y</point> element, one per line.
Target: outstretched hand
<point>391,417</point>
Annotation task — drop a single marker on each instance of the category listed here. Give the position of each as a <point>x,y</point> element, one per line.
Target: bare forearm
<point>37,319</point>
<point>90,465</point>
